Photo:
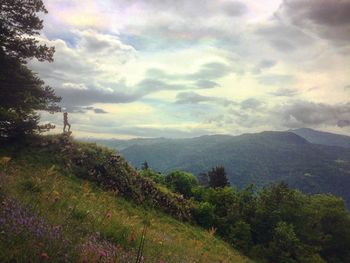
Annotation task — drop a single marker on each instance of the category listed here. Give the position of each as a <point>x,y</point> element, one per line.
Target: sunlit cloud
<point>135,68</point>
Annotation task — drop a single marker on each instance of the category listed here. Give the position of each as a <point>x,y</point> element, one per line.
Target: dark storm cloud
<point>304,113</point>
<point>284,92</point>
<point>195,98</point>
<point>328,19</point>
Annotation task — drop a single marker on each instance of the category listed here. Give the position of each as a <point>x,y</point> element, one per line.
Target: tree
<point>181,182</point>
<point>285,246</point>
<point>203,179</point>
<point>22,93</point>
<point>204,214</point>
<point>144,165</point>
<point>217,177</point>
<point>19,23</point>
<point>154,176</point>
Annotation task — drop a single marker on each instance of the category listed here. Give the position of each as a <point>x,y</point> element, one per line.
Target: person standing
<point>65,122</point>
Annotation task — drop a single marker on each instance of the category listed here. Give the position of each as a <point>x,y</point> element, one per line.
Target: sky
<point>179,68</point>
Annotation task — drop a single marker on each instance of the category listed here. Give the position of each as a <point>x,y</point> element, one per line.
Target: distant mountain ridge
<point>259,158</point>
<point>123,144</point>
<point>309,163</point>
<point>325,138</point>
<point>310,135</point>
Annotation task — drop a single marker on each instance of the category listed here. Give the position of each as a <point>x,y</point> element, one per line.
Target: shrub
<point>156,177</point>
<point>204,214</point>
<point>181,182</point>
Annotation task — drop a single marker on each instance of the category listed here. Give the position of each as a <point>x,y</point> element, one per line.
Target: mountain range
<point>309,160</point>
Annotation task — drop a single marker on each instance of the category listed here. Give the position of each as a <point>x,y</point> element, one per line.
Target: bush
<point>204,214</point>
<point>156,177</point>
<point>181,182</point>
<point>240,236</point>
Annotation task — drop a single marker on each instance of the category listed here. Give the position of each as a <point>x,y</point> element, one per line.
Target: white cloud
<point>228,64</point>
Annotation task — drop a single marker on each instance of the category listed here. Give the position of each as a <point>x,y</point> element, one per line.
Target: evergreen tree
<point>217,177</point>
<point>22,93</point>
<point>19,23</point>
<point>145,165</point>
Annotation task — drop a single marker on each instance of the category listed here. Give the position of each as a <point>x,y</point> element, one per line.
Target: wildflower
<point>16,220</point>
<point>102,253</point>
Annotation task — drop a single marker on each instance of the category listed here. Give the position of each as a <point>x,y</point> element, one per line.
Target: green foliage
<point>261,159</point>
<point>277,224</point>
<point>145,166</point>
<point>110,171</point>
<point>19,20</point>
<point>217,177</point>
<point>273,224</point>
<point>181,182</point>
<point>90,219</point>
<point>204,214</point>
<point>79,214</point>
<point>31,186</point>
<point>22,92</point>
<point>285,245</point>
<point>240,236</point>
<point>203,179</point>
<point>154,176</point>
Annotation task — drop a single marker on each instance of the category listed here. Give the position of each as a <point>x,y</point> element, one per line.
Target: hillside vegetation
<point>57,205</point>
<point>254,159</point>
<point>63,200</point>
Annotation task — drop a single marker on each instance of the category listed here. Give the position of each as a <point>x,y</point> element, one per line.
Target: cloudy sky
<point>179,68</point>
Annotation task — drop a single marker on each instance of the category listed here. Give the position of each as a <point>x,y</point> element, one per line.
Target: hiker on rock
<point>65,122</point>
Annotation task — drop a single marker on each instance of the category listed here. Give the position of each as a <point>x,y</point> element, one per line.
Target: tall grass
<point>99,225</point>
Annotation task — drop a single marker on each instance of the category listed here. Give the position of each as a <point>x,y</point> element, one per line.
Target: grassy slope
<point>81,208</point>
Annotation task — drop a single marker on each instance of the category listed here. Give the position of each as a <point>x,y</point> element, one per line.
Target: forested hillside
<point>325,138</point>
<point>254,159</point>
